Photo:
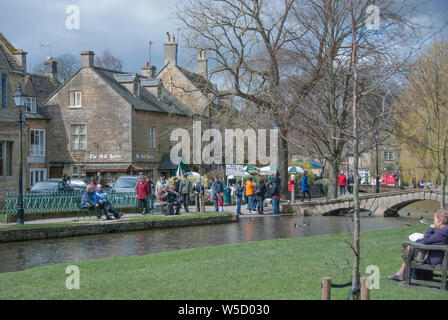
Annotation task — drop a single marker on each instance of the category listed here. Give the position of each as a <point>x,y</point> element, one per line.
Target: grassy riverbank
<point>274,269</point>
<point>94,221</point>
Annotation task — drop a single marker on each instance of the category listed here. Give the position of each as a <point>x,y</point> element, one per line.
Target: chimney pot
<point>51,69</point>
<point>20,56</point>
<point>87,59</point>
<point>170,50</point>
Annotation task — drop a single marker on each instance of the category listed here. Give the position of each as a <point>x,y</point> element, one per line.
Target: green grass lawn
<point>274,269</point>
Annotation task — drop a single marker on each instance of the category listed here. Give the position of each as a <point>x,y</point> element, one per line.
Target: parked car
<point>50,187</point>
<point>75,184</point>
<point>125,184</point>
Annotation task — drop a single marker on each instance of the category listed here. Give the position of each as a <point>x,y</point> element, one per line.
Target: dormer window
<point>75,99</point>
<point>31,105</point>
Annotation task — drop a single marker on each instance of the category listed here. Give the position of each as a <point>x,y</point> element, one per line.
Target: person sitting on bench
<point>102,203</point>
<point>437,234</point>
<point>87,199</point>
<point>172,200</point>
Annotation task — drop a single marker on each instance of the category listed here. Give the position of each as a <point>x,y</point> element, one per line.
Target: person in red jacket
<point>142,189</point>
<point>342,181</point>
<point>292,182</point>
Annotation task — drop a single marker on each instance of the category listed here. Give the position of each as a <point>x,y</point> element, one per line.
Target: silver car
<point>125,184</point>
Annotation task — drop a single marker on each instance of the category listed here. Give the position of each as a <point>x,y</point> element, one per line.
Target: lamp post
<point>20,102</point>
<point>377,136</point>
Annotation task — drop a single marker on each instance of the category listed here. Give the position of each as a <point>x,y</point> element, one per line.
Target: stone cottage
<point>38,87</point>
<point>114,122</point>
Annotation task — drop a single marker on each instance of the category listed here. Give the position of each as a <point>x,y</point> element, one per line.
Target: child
<point>220,201</point>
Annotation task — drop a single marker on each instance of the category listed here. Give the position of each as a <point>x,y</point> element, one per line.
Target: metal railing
<point>61,202</point>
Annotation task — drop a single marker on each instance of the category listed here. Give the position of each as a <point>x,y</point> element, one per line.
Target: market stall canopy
<point>296,169</point>
<point>251,169</point>
<point>314,164</point>
<point>268,171</point>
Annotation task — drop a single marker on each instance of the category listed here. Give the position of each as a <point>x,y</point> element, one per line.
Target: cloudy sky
<point>123,26</point>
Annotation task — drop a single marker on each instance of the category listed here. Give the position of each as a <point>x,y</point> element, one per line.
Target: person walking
<point>250,187</point>
<point>151,194</point>
<point>185,190</point>
<point>260,195</point>
<point>199,190</point>
<point>276,194</point>
<point>162,183</point>
<point>217,189</point>
<point>305,186</point>
<point>291,185</point>
<point>142,190</point>
<point>100,179</point>
<point>342,181</point>
<point>239,196</point>
<point>350,183</point>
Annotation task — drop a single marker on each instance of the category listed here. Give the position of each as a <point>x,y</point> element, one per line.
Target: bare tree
<point>108,60</point>
<point>244,38</point>
<point>67,66</point>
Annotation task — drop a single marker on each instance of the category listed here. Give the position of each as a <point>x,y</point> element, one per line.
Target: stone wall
<point>16,235</point>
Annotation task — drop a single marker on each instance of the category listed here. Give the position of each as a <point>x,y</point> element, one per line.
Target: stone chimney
<point>20,56</point>
<point>51,68</point>
<point>170,50</point>
<point>202,64</point>
<point>148,71</point>
<point>87,59</point>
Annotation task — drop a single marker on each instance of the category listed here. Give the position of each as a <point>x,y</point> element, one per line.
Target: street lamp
<point>20,102</point>
<point>377,137</point>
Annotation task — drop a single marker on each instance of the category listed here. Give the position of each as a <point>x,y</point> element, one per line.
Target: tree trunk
<point>442,186</point>
<point>283,161</point>
<point>333,171</point>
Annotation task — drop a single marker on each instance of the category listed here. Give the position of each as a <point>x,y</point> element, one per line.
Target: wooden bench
<point>412,263</point>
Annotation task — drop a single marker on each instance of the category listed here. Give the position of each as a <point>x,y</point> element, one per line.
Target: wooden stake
<point>365,292</point>
<point>326,288</point>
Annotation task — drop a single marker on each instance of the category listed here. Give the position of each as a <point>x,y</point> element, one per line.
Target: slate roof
<point>44,86</point>
<point>7,49</point>
<point>142,102</point>
<point>199,81</point>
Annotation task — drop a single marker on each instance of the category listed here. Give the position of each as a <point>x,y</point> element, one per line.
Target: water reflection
<point>25,255</point>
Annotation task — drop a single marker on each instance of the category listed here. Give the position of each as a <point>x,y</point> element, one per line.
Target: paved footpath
<point>127,216</point>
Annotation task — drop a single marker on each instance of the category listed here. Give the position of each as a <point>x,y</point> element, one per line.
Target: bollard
<point>293,194</point>
<point>326,288</point>
<point>365,292</point>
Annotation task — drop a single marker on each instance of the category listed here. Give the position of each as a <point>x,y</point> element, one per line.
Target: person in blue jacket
<point>436,234</point>
<point>102,203</point>
<point>305,186</point>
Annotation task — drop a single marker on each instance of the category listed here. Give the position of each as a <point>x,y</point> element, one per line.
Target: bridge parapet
<point>380,203</point>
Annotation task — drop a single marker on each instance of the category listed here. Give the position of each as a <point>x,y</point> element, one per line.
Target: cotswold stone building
<point>113,122</point>
<point>12,73</point>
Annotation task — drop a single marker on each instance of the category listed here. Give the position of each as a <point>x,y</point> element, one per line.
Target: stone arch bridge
<point>382,204</point>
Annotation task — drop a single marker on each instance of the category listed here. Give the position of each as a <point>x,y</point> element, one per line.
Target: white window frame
<point>30,106</point>
<point>79,135</point>
<point>152,143</point>
<point>389,155</point>
<point>37,175</point>
<point>75,100</point>
<point>40,150</point>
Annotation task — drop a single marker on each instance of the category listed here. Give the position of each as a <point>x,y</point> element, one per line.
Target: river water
<point>31,254</point>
